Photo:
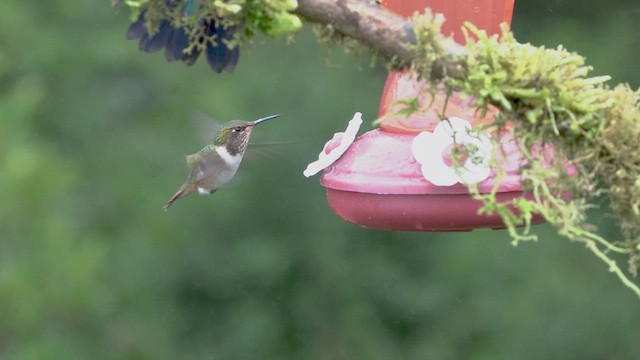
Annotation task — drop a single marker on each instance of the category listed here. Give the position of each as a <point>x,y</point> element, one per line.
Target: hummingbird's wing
<point>267,150</point>
<point>208,171</point>
<point>191,160</point>
<point>197,171</point>
<point>205,125</point>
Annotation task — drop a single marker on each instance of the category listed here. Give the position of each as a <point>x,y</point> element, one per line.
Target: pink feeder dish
<point>400,177</point>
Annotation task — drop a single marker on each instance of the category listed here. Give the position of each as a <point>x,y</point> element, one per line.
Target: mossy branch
<point>544,97</point>
<point>390,36</point>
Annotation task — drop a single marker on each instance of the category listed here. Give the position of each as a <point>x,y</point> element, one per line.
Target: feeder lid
<point>402,88</point>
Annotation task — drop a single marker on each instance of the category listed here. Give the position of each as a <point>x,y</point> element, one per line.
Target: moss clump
<point>546,98</point>
<point>618,164</point>
<point>329,37</point>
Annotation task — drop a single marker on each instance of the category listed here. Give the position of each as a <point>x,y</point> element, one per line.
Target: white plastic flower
<point>335,147</point>
<point>433,152</point>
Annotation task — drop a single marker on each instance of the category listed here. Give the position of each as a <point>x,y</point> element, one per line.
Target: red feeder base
<point>403,212</point>
<point>379,184</point>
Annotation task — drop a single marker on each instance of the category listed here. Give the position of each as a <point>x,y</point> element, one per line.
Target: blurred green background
<point>92,138</point>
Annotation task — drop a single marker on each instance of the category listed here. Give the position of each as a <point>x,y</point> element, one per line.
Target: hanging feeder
<point>400,177</point>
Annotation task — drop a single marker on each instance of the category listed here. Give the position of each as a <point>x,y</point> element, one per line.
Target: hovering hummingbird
<point>217,163</point>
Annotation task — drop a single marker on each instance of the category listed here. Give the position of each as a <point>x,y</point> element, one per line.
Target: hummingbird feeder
<point>400,177</point>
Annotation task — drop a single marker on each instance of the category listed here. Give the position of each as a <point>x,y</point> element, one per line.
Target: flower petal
<point>452,126</point>
<point>476,168</point>
<point>334,152</point>
<point>428,149</point>
<point>459,124</point>
<point>439,174</point>
<point>420,146</point>
<point>473,173</point>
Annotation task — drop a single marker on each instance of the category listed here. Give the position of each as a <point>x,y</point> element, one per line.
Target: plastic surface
<point>485,14</point>
<point>378,183</point>
<point>445,212</point>
<point>380,162</point>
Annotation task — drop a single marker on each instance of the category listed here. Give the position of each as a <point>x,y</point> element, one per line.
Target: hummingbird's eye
<point>237,129</point>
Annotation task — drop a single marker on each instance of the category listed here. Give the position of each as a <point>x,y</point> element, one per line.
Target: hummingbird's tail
<point>180,193</point>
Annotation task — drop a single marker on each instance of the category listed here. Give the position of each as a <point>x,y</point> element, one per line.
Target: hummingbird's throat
<point>230,158</point>
<point>238,145</point>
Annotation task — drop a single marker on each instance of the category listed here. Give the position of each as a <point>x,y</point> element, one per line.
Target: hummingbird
<point>217,163</point>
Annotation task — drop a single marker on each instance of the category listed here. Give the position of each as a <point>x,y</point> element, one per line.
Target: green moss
<point>547,98</point>
<point>544,95</point>
<point>330,38</point>
<point>431,45</point>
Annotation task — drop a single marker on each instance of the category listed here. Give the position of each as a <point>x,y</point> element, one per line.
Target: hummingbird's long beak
<point>256,122</point>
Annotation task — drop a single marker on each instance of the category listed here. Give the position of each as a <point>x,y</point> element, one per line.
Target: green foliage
<point>431,44</point>
<point>547,99</point>
<point>273,17</point>
<point>92,142</point>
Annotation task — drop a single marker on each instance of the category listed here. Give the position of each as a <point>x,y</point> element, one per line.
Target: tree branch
<point>390,35</point>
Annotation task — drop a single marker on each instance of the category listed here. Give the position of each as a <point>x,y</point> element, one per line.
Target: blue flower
<point>176,40</point>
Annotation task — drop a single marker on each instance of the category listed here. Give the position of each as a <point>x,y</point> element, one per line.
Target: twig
<point>390,35</point>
